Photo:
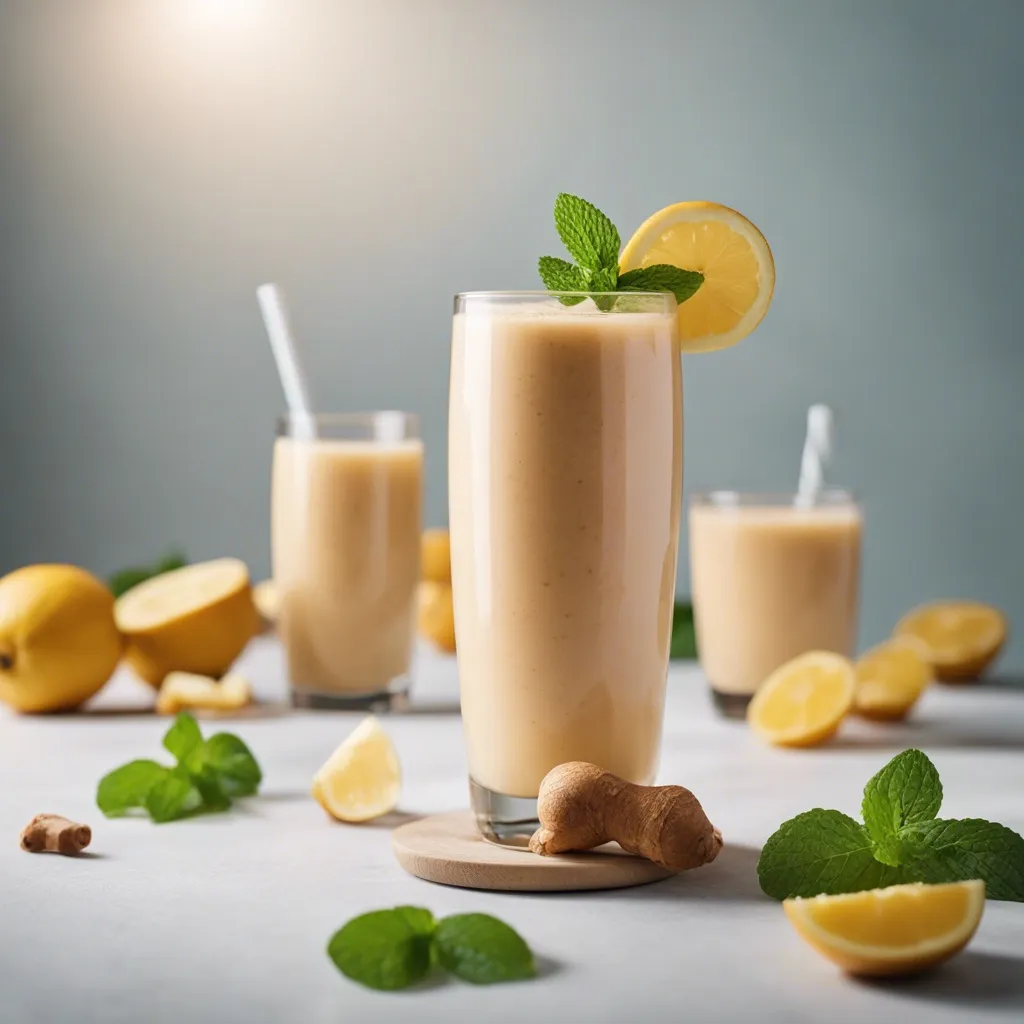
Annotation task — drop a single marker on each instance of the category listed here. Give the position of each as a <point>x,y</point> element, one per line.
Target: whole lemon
<point>58,640</point>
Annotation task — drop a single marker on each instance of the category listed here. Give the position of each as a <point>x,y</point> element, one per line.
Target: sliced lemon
<point>891,677</point>
<point>196,619</point>
<point>362,779</point>
<point>183,691</point>
<point>803,702</point>
<point>733,256</point>
<point>898,930</point>
<point>962,637</point>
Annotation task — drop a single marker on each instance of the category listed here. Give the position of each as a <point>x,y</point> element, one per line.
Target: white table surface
<point>225,918</point>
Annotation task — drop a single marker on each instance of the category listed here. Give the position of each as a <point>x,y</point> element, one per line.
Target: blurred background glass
<point>161,158</point>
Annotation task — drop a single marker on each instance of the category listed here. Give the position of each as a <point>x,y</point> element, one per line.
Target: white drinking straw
<point>817,454</point>
<point>289,365</point>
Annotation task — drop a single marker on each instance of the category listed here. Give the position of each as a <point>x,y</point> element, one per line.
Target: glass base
<point>507,821</point>
<point>394,697</point>
<point>731,705</point>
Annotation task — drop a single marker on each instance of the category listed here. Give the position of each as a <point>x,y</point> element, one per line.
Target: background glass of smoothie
<point>773,576</point>
<point>346,512</point>
<point>565,468</point>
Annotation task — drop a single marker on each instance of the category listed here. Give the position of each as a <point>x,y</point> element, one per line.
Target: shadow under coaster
<point>447,848</point>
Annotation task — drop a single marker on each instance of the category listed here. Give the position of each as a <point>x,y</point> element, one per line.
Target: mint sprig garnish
<point>208,775</point>
<point>901,840</point>
<point>393,949</point>
<point>593,241</point>
<point>123,581</point>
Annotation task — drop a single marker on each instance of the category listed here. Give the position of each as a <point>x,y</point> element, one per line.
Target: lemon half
<point>196,619</point>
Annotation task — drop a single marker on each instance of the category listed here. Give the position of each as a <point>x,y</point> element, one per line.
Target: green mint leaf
<point>230,758</point>
<point>684,635</point>
<point>562,276</point>
<point>662,277</point>
<point>211,788</point>
<point>127,787</point>
<point>385,949</point>
<point>591,238</point>
<point>173,796</point>
<point>905,792</point>
<point>481,949</point>
<point>184,737</point>
<point>123,581</point>
<point>822,851</point>
<point>953,851</point>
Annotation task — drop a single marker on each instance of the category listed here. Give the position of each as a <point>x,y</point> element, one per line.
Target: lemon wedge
<point>362,779</point>
<point>898,930</point>
<point>802,703</point>
<point>963,637</point>
<point>733,256</point>
<point>891,677</point>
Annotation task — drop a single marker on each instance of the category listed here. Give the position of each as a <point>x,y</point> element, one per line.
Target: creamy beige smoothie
<point>565,466</point>
<point>346,554</point>
<point>771,580</point>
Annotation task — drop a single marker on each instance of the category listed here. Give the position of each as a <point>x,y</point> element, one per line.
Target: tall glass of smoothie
<point>565,468</point>
<point>773,576</point>
<point>346,511</point>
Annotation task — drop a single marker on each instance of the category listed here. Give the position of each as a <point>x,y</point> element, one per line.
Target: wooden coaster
<point>447,848</point>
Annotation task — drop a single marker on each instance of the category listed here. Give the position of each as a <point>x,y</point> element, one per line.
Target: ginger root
<point>50,833</point>
<point>581,806</point>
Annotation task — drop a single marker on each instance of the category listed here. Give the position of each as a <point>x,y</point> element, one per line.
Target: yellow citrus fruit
<point>803,702</point>
<point>898,930</point>
<point>963,637</point>
<point>183,691</point>
<point>436,620</point>
<point>891,677</point>
<point>362,779</point>
<point>437,556</point>
<point>196,619</point>
<point>58,640</point>
<point>733,256</point>
<point>267,599</point>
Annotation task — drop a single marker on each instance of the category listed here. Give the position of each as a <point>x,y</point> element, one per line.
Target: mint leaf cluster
<point>593,242</point>
<point>393,949</point>
<point>901,840</point>
<point>209,774</point>
<point>123,581</point>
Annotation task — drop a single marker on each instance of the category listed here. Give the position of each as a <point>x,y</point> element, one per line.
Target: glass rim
<point>726,499</point>
<point>368,418</point>
<point>548,293</point>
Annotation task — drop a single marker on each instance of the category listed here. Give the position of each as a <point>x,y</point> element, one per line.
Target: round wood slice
<point>447,848</point>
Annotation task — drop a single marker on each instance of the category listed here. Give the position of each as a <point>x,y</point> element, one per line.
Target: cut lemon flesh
<point>898,930</point>
<point>962,637</point>
<point>362,779</point>
<point>181,592</point>
<point>733,256</point>
<point>802,703</point>
<point>891,677</point>
<point>196,619</point>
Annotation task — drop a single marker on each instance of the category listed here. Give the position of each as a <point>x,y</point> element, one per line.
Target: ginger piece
<point>581,806</point>
<point>50,833</point>
<point>183,691</point>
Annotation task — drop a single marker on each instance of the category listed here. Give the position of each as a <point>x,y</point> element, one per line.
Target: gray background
<point>160,158</point>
